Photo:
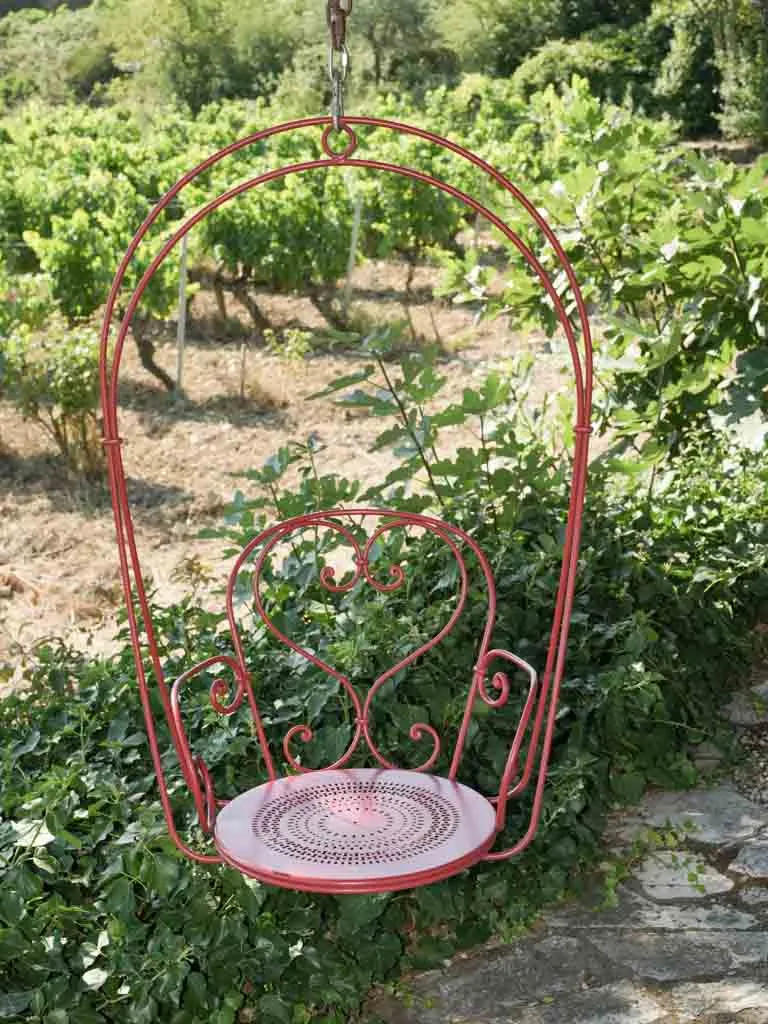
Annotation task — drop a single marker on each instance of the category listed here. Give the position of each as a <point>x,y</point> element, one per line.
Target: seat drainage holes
<point>355,823</point>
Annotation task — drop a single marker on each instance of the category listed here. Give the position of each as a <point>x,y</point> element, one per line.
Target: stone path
<point>686,942</point>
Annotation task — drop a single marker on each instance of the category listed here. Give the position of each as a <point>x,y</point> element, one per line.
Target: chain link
<point>338,55</point>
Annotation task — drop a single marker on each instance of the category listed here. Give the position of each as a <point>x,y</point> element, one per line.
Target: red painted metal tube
<point>540,706</point>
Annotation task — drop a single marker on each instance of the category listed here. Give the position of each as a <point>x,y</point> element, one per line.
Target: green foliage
<point>51,377</point>
<point>59,56</point>
<point>403,44</point>
<point>480,110</point>
<point>740,30</point>
<point>497,35</point>
<point>579,16</point>
<point>670,247</point>
<point>25,301</point>
<point>102,921</point>
<point>201,51</point>
<point>715,71</point>
<point>705,62</point>
<point>608,64</point>
<point>80,183</point>
<point>688,81</point>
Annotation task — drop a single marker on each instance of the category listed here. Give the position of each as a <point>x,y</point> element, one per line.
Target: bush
<point>741,49</point>
<point>498,38</point>
<point>25,301</point>
<point>579,16</point>
<point>688,81</point>
<point>670,248</point>
<point>609,65</point>
<point>51,376</point>
<point>57,56</point>
<point>715,73</point>
<point>102,921</point>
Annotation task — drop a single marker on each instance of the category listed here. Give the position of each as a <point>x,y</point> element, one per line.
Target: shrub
<point>51,376</point>
<point>579,16</point>
<point>57,56</point>
<point>741,49</point>
<point>608,64</point>
<point>669,247</point>
<point>688,81</point>
<point>25,301</point>
<point>496,37</point>
<point>715,73</point>
<point>102,921</point>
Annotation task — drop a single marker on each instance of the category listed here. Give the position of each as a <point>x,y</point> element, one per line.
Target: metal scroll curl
<point>195,770</point>
<point>361,573</point>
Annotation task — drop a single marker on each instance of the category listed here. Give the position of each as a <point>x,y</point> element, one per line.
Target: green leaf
<point>120,900</point>
<point>381,955</point>
<point>358,912</point>
<point>95,977</point>
<point>380,404</point>
<point>27,745</point>
<point>628,786</point>
<point>196,991</point>
<point>85,1015</point>
<point>57,1017</point>
<point>652,453</point>
<point>165,874</point>
<point>12,907</point>
<point>345,382</point>
<point>275,1010</point>
<point>13,1004</point>
<point>704,268</point>
<point>32,834</point>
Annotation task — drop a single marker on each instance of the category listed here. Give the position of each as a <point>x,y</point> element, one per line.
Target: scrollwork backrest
<point>352,552</point>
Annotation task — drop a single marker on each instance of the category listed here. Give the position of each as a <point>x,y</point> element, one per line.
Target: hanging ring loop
<point>348,150</point>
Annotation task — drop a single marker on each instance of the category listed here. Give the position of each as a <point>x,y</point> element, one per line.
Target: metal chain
<point>338,55</point>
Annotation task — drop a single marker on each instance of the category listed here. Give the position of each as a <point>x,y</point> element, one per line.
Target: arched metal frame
<point>541,703</point>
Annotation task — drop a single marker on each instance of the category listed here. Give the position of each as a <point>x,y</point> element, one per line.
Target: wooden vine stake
<point>353,242</point>
<point>243,362</point>
<point>181,326</point>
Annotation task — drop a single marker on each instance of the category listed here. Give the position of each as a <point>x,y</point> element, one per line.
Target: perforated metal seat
<point>355,830</point>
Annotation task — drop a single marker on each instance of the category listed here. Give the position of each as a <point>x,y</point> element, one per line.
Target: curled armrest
<point>195,770</point>
<point>500,682</point>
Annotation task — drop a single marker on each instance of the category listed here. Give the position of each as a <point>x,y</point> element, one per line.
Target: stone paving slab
<point>753,896</point>
<point>732,996</point>
<point>717,817</point>
<point>684,955</point>
<point>634,912</point>
<point>749,707</point>
<point>610,1004</point>
<point>500,981</point>
<point>752,860</point>
<point>665,953</point>
<point>676,875</point>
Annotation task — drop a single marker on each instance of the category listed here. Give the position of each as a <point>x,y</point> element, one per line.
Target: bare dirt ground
<point>58,566</point>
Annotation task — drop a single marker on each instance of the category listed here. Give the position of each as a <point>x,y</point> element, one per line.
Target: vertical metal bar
<point>181,327</point>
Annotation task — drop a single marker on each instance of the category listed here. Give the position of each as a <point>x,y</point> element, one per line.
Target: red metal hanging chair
<point>341,829</point>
